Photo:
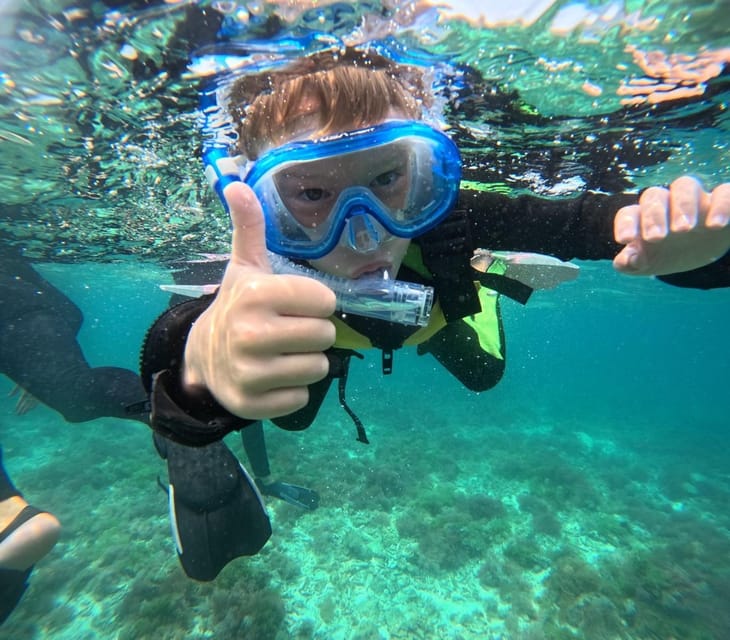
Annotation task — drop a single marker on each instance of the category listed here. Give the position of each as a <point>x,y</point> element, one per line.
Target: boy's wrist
<point>190,416</point>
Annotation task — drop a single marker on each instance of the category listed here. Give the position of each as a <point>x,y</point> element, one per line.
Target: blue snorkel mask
<point>400,178</point>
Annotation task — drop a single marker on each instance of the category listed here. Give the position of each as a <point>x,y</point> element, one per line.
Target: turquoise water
<point>584,497</point>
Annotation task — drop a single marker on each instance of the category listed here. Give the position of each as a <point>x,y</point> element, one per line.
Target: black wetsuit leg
<point>252,436</point>
<point>254,444</point>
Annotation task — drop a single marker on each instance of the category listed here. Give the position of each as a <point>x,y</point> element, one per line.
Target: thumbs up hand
<point>261,341</point>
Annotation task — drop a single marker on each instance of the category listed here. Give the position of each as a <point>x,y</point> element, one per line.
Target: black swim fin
<point>293,494</point>
<point>216,511</point>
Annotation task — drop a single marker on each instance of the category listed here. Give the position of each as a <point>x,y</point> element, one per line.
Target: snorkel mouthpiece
<point>372,296</point>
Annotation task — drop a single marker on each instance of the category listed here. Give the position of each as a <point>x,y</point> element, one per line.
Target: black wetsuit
<point>39,350</point>
<point>12,583</point>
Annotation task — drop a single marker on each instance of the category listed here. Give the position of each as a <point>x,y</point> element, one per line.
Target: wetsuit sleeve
<point>458,349</point>
<point>190,419</point>
<point>572,228</point>
<point>711,276</point>
<point>39,350</point>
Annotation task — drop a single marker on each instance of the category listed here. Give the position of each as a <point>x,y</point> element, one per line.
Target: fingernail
<point>718,220</point>
<point>683,223</point>
<point>654,233</point>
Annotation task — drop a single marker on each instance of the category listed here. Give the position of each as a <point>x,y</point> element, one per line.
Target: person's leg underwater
<point>254,444</point>
<point>27,534</point>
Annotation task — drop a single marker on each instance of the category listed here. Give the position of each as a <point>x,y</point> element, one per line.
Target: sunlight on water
<point>98,109</point>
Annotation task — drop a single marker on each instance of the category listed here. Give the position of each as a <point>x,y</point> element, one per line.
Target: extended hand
<point>673,230</point>
<point>26,401</point>
<point>261,342</point>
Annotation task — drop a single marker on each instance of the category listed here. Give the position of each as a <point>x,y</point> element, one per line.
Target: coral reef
<point>523,533</point>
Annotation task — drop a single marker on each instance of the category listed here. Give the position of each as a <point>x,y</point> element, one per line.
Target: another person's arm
<point>40,352</point>
<point>664,231</point>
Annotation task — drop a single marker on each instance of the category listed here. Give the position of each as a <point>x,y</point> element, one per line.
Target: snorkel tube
<point>370,296</point>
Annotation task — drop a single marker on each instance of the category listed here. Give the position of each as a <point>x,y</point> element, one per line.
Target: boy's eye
<point>312,195</point>
<point>385,179</point>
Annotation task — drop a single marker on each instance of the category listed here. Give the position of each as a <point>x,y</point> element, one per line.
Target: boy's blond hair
<point>350,88</point>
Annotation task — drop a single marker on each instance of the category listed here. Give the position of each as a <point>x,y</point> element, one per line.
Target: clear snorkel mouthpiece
<point>373,296</point>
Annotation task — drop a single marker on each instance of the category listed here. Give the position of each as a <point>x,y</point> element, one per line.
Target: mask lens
<point>404,174</point>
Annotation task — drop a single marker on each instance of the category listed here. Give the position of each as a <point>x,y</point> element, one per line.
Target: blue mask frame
<point>438,166</point>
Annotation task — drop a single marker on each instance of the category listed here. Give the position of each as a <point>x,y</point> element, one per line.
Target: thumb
<point>248,245</point>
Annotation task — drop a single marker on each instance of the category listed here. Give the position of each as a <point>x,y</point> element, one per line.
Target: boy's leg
<point>254,444</point>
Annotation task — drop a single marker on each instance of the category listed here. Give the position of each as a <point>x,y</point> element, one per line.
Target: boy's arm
<point>250,353</point>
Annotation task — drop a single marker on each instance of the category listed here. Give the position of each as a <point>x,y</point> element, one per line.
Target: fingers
<point>685,202</point>
<point>272,387</point>
<point>256,336</point>
<point>682,208</point>
<point>718,215</point>
<point>654,210</point>
<point>249,229</point>
<point>626,226</point>
<point>630,260</point>
<point>264,333</point>
<point>273,404</point>
<point>262,376</point>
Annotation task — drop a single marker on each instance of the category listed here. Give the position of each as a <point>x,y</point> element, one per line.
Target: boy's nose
<point>361,232</point>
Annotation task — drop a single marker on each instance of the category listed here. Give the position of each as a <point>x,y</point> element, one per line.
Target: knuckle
<point>653,195</point>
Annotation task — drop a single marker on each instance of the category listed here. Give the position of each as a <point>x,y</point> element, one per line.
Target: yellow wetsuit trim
<point>485,324</point>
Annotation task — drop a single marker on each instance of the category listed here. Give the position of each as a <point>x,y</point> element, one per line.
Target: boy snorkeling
<point>342,174</point>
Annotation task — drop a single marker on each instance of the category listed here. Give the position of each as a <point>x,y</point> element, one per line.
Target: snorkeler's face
<point>312,190</point>
<point>349,200</point>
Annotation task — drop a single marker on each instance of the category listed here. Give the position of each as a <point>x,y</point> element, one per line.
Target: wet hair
<point>351,89</point>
